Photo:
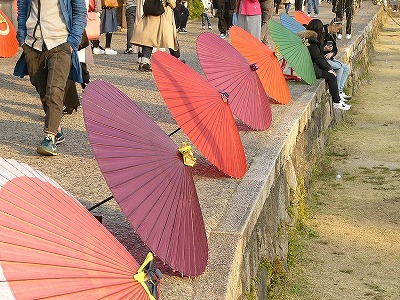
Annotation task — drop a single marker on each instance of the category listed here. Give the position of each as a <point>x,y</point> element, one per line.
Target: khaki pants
<point>267,10</point>
<point>48,73</point>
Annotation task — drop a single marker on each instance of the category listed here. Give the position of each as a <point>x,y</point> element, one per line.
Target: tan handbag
<point>109,3</point>
<point>93,26</point>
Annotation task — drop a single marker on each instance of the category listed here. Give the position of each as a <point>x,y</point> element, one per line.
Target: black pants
<point>71,98</point>
<point>349,17</point>
<point>225,17</point>
<point>146,52</point>
<point>332,85</point>
<point>130,25</point>
<point>181,15</point>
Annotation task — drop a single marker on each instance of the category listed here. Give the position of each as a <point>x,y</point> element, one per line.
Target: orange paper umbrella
<point>202,112</point>
<point>8,37</point>
<point>269,69</point>
<point>51,247</point>
<point>301,17</point>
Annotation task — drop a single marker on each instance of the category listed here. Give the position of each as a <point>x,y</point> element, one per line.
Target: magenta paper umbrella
<point>146,173</point>
<point>51,247</point>
<point>230,72</point>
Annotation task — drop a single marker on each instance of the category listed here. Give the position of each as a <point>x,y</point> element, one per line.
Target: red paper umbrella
<point>230,72</point>
<point>301,17</point>
<point>145,171</point>
<point>269,69</point>
<point>51,247</point>
<point>202,112</point>
<point>8,37</point>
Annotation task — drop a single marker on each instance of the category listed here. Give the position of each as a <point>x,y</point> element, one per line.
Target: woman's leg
<point>332,85</point>
<point>146,54</point>
<point>108,39</point>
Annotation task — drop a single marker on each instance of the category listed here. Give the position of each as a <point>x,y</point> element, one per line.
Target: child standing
<point>207,14</point>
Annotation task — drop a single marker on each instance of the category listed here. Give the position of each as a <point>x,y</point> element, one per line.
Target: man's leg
<point>349,17</point>
<point>222,25</point>
<point>337,67</point>
<point>130,24</point>
<point>267,8</point>
<point>184,16</point>
<point>343,79</point>
<point>58,64</point>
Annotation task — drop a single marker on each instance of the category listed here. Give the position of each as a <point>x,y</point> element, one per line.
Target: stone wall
<point>267,246</point>
<point>251,239</point>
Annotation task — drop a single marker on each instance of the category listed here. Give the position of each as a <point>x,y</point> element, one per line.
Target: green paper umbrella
<point>293,49</point>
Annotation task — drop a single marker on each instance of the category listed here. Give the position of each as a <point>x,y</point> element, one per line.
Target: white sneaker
<point>344,96</point>
<point>316,16</point>
<point>341,106</point>
<point>110,51</point>
<point>97,50</point>
<point>339,36</point>
<point>348,36</point>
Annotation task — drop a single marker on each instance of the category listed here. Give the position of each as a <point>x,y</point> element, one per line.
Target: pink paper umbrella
<point>202,112</point>
<point>230,72</point>
<point>146,173</point>
<point>51,247</point>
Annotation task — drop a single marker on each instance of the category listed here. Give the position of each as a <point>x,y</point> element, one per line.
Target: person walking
<point>50,32</point>
<point>130,24</point>
<point>249,17</point>
<point>158,32</point>
<point>225,9</point>
<point>206,14</point>
<point>267,10</point>
<point>344,6</point>
<point>108,25</point>
<point>314,36</point>
<point>313,4</point>
<point>181,15</point>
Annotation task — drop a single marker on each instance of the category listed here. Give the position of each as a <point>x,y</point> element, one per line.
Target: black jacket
<point>316,50</point>
<point>330,37</point>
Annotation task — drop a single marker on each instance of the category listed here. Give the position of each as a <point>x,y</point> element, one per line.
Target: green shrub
<point>195,9</point>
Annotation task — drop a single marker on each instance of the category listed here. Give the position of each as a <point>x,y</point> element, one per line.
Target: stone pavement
<point>76,170</point>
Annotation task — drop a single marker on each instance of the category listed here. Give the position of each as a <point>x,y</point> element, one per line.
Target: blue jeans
<point>312,3</point>
<point>342,72</point>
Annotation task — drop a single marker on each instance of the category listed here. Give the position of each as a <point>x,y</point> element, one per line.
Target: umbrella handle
<point>175,131</point>
<point>100,203</point>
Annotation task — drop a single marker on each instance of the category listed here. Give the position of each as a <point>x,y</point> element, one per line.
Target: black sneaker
<point>47,147</point>
<point>145,67</point>
<point>128,51</point>
<point>59,138</point>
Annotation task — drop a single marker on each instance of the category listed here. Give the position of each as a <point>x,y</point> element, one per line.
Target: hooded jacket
<point>74,13</point>
<point>316,50</point>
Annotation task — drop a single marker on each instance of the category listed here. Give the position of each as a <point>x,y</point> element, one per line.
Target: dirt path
<point>352,249</point>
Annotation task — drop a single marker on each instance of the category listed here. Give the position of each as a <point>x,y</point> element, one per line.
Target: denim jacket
<point>74,12</point>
